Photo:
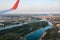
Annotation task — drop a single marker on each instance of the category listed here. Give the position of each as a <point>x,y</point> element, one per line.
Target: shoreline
<point>43,36</point>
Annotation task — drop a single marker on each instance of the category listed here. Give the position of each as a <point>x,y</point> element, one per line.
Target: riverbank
<point>38,34</point>
<point>43,36</point>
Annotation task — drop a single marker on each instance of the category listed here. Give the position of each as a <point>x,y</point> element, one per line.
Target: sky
<point>32,6</point>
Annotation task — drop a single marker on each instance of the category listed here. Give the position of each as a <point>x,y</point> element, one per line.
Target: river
<point>36,35</point>
<point>33,35</point>
<point>11,26</point>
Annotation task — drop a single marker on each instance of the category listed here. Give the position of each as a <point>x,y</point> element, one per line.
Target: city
<point>30,24</point>
<point>29,19</point>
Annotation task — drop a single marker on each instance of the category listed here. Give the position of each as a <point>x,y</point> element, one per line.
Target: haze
<point>32,6</point>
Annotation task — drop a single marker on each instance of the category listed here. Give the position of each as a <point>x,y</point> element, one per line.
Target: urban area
<point>16,27</point>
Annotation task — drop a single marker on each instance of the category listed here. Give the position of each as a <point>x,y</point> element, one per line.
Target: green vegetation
<point>52,34</point>
<point>21,31</point>
<point>8,23</point>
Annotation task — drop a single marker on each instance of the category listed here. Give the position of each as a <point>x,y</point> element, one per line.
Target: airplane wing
<point>15,5</point>
<point>13,8</point>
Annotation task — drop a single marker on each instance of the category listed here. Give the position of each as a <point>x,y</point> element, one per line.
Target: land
<point>18,32</point>
<point>54,33</point>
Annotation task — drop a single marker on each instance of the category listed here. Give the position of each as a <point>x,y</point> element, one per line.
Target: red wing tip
<point>15,5</point>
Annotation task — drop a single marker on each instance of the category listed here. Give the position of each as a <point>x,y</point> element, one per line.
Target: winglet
<point>15,5</point>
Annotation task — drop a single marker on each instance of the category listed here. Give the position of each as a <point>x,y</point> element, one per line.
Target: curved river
<point>34,35</point>
<point>12,26</point>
